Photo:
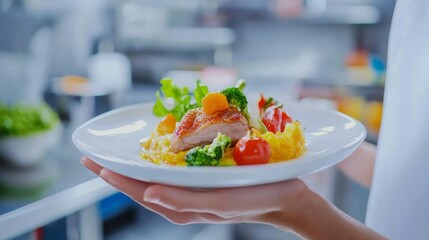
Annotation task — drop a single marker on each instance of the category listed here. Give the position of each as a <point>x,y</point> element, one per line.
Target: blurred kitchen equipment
<point>24,73</point>
<point>109,74</point>
<point>113,71</point>
<point>80,94</point>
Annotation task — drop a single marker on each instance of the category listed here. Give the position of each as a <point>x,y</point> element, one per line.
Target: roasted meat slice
<point>197,128</point>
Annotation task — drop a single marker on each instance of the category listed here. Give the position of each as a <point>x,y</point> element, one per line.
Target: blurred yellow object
<point>71,79</point>
<point>354,107</point>
<point>374,112</point>
<point>73,84</point>
<point>370,113</point>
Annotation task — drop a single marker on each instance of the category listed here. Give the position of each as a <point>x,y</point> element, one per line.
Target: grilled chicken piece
<point>197,128</point>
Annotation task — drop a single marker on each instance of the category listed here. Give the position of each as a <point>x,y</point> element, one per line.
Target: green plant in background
<point>24,120</point>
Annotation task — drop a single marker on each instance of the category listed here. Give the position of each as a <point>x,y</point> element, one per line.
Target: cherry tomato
<point>251,151</point>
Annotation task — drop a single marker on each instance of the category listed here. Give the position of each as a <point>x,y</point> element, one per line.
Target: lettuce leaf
<point>200,91</point>
<point>181,97</point>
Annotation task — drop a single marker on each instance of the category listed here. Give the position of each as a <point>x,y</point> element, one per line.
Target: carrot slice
<point>214,102</point>
<point>167,125</point>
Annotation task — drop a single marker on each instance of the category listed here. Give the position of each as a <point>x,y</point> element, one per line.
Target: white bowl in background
<point>25,151</point>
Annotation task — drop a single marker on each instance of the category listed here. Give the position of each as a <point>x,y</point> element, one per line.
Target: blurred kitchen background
<point>64,61</point>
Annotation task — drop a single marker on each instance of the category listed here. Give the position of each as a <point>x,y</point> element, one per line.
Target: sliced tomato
<point>264,103</point>
<point>261,103</point>
<point>251,151</point>
<point>272,115</point>
<point>275,119</point>
<point>285,120</point>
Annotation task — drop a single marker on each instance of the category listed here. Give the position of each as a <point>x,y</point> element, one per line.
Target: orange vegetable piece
<point>214,102</point>
<point>167,125</point>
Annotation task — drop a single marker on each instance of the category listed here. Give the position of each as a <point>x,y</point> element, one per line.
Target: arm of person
<point>360,165</point>
<point>286,205</point>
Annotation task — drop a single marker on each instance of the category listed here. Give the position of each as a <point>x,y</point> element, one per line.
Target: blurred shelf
<point>320,12</point>
<point>349,85</point>
<point>364,14</point>
<point>371,92</point>
<point>179,39</point>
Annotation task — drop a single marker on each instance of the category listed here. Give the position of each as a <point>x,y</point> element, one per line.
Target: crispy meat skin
<point>197,128</point>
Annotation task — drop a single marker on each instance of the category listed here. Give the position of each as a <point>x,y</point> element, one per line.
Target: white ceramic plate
<point>112,140</point>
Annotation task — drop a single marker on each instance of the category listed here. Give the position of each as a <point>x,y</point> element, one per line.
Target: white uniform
<point>398,206</point>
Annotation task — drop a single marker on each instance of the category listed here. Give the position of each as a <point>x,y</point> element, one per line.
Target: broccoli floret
<point>235,97</point>
<point>208,155</point>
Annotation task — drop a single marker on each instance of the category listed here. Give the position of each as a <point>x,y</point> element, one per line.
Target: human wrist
<point>307,214</point>
<point>296,212</point>
<point>311,212</point>
<point>288,213</point>
<point>313,217</point>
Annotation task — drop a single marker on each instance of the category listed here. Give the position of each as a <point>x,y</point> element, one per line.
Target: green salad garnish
<point>181,97</point>
<point>23,120</point>
<point>183,101</point>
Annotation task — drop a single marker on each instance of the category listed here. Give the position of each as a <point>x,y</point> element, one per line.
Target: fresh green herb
<point>262,126</point>
<point>208,155</point>
<point>200,91</point>
<point>269,102</point>
<point>23,120</point>
<point>183,100</point>
<point>169,89</point>
<point>181,97</point>
<point>158,108</point>
<point>240,84</point>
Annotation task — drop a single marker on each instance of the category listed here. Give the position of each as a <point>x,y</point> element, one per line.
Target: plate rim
<point>167,168</point>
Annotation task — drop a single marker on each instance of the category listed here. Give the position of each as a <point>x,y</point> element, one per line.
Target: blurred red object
<point>218,78</point>
<point>288,8</point>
